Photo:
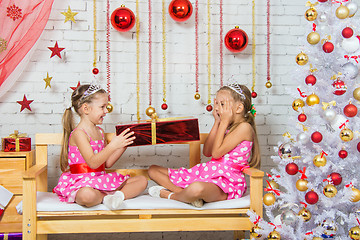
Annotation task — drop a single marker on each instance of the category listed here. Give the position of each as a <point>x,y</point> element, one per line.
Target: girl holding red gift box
<point>85,155</point>
<point>233,145</point>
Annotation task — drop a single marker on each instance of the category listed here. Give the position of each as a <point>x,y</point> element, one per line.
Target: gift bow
<point>327,104</point>
<point>17,135</point>
<point>311,5</point>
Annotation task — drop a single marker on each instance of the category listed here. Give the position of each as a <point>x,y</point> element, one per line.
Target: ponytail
<point>68,127</point>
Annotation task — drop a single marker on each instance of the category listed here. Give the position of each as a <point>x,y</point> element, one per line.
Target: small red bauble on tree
<point>339,87</point>
<point>253,94</point>
<point>316,137</point>
<point>322,0</point>
<point>336,178</point>
<point>122,19</point>
<point>343,153</point>
<point>209,108</point>
<point>180,10</point>
<point>347,32</point>
<point>302,117</point>
<point>350,110</point>
<point>358,146</point>
<point>328,47</point>
<point>236,40</point>
<point>292,168</point>
<point>311,197</point>
<point>310,80</point>
<point>164,106</point>
<point>95,71</point>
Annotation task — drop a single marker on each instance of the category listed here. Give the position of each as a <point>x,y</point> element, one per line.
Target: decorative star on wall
<point>55,50</point>
<point>69,15</point>
<point>25,103</point>
<point>74,88</point>
<point>47,80</point>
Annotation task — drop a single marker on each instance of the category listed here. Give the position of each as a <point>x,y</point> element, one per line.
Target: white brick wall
<point>273,105</point>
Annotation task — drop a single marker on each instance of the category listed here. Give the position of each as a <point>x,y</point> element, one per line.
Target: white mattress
<point>47,201</point>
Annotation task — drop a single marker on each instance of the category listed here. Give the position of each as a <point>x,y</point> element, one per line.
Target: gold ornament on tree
<point>301,185</point>
<point>312,99</point>
<point>317,238</point>
<point>354,233</point>
<point>346,135</point>
<point>274,184</point>
<point>319,160</point>
<point>254,230</point>
<point>302,59</point>
<point>274,235</point>
<point>356,93</point>
<point>342,12</point>
<point>313,38</point>
<point>330,191</point>
<point>305,214</point>
<point>311,13</point>
<point>269,199</point>
<point>298,103</point>
<point>356,195</point>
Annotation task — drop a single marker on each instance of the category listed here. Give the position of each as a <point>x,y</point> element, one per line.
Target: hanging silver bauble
<point>351,44</point>
<point>286,150</point>
<point>329,227</point>
<point>302,138</point>
<point>329,114</point>
<point>288,217</point>
<point>350,70</point>
<point>353,7</point>
<point>322,18</point>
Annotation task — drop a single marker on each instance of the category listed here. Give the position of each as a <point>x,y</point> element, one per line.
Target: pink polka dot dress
<point>225,172</point>
<point>69,183</point>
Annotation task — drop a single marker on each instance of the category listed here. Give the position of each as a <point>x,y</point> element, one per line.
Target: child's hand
<point>215,111</point>
<point>225,111</point>
<point>124,139</point>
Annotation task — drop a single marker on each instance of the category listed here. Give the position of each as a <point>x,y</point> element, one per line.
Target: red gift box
<point>16,142</point>
<point>159,131</point>
<point>10,236</point>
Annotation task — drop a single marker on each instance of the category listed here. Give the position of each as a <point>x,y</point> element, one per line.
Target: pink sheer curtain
<point>22,23</point>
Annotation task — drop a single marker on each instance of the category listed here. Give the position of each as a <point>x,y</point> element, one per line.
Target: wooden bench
<point>36,224</point>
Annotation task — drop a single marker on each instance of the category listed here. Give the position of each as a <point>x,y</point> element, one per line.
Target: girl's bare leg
<point>161,177</point>
<point>133,186</point>
<point>89,197</point>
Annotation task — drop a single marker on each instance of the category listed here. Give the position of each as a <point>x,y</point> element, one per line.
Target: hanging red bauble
<point>310,80</point>
<point>95,71</point>
<point>350,110</point>
<point>336,178</point>
<point>253,94</point>
<point>292,168</point>
<point>209,108</point>
<point>311,197</point>
<point>302,117</point>
<point>122,19</point>
<point>339,87</point>
<point>328,47</point>
<point>236,40</point>
<point>347,32</point>
<point>358,147</point>
<point>164,106</point>
<point>343,153</point>
<point>316,137</point>
<point>180,10</point>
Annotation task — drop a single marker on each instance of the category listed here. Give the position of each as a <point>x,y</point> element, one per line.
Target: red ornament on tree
<point>343,154</point>
<point>350,110</point>
<point>311,197</point>
<point>310,80</point>
<point>292,168</point>
<point>358,146</point>
<point>347,32</point>
<point>316,137</point>
<point>339,87</point>
<point>95,71</point>
<point>253,94</point>
<point>302,117</point>
<point>336,178</point>
<point>122,19</point>
<point>180,10</point>
<point>322,0</point>
<point>209,108</point>
<point>164,106</point>
<point>328,47</point>
<point>236,40</point>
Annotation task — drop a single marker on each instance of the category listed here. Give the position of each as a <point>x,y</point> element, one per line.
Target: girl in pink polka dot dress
<point>232,143</point>
<point>85,155</point>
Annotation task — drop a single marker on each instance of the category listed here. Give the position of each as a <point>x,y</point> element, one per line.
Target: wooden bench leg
<point>239,235</point>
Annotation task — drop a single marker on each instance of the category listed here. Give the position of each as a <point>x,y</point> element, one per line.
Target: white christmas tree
<point>313,192</point>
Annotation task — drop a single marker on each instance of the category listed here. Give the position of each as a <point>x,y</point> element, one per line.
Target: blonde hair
<point>242,94</point>
<point>77,100</point>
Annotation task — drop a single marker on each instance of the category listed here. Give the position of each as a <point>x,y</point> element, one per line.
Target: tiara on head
<point>237,89</point>
<point>91,90</point>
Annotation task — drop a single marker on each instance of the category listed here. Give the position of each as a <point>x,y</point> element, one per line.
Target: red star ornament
<point>74,88</point>
<point>55,50</point>
<point>25,103</point>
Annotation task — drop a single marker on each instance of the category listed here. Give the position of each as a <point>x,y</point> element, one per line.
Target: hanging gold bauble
<point>330,191</point>
<point>319,161</point>
<point>312,99</point>
<point>356,93</point>
<point>109,107</point>
<point>356,195</point>
<point>342,12</point>
<point>313,38</point>
<point>346,135</point>
<point>311,14</point>
<point>150,111</point>
<point>197,96</point>
<point>298,103</point>
<point>317,238</point>
<point>274,235</point>
<point>301,185</point>
<point>305,214</point>
<point>253,232</point>
<point>268,84</point>
<point>354,233</point>
<point>269,199</point>
<point>274,184</point>
<point>302,59</point>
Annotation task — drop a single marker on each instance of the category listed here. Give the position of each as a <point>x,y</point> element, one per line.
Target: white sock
<point>114,202</point>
